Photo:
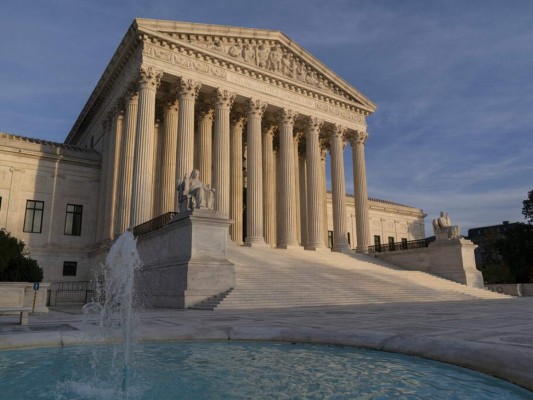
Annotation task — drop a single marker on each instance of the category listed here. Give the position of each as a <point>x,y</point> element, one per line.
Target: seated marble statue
<point>443,224</point>
<point>194,194</point>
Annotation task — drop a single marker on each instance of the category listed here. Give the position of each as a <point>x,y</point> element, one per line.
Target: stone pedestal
<point>185,262</point>
<point>451,259</point>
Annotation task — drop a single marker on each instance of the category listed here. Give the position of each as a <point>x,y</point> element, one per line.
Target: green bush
<point>15,263</point>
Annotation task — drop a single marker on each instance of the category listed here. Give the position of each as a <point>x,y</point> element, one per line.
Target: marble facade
<point>255,113</point>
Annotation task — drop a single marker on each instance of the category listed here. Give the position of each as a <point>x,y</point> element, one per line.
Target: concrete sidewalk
<point>491,336</point>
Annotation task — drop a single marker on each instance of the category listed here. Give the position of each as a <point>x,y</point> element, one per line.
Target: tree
<point>516,250</point>
<point>15,263</point>
<point>527,210</point>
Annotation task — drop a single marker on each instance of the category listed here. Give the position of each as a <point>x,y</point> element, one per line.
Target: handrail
<point>398,246</point>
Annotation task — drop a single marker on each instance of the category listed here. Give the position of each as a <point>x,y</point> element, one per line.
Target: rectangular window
<point>377,240</point>
<point>330,239</point>
<point>349,241</point>
<point>73,220</point>
<point>404,243</point>
<point>391,243</point>
<point>33,220</point>
<point>69,268</point>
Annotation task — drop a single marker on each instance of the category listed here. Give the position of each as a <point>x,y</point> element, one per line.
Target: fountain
<point>115,298</point>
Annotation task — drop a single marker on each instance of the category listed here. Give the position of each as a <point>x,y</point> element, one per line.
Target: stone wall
<point>451,259</point>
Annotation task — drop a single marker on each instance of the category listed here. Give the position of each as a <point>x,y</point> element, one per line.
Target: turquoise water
<point>239,370</point>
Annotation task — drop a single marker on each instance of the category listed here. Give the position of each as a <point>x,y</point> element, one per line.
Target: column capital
<point>205,110</point>
<point>357,137</point>
<point>150,76</point>
<point>314,124</point>
<point>188,88</point>
<point>256,107</point>
<point>337,131</point>
<point>269,126</point>
<point>287,117</point>
<point>223,98</point>
<point>237,119</point>
<point>132,91</point>
<point>170,101</point>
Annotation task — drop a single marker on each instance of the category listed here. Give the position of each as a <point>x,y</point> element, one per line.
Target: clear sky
<point>453,81</point>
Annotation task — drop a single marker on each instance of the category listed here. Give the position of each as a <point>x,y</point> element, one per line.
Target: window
<point>0,202</point>
<point>33,220</point>
<point>69,268</point>
<point>377,240</point>
<point>73,220</point>
<point>391,243</point>
<point>330,239</point>
<point>404,243</point>
<point>349,241</point>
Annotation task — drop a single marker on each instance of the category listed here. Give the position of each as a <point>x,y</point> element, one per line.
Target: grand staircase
<point>274,278</point>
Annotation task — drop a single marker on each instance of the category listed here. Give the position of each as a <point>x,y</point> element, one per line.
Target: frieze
<point>175,58</point>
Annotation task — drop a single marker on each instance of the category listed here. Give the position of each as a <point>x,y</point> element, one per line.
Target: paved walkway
<point>491,336</point>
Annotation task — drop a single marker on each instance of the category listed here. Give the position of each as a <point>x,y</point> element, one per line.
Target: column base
<point>255,242</point>
<point>289,246</point>
<point>343,248</point>
<point>318,249</point>
<point>362,249</point>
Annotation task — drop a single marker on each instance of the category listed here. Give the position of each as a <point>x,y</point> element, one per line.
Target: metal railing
<point>71,293</point>
<point>153,224</point>
<point>398,246</point>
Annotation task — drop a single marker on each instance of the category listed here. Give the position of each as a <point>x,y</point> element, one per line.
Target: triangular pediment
<point>268,52</point>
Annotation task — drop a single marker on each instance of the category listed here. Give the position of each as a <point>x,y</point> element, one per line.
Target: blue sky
<point>453,81</point>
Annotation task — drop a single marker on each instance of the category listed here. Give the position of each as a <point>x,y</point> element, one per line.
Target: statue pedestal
<point>451,259</point>
<point>185,262</point>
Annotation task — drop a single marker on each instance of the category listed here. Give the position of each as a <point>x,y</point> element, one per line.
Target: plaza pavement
<point>491,336</point>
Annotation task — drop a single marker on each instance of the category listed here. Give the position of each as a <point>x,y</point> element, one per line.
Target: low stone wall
<point>20,294</point>
<point>185,262</point>
<point>451,259</point>
<point>512,289</point>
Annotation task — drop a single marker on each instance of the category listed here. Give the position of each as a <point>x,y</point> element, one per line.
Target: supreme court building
<point>254,112</point>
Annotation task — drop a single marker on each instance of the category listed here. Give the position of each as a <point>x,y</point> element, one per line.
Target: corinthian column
<point>204,141</point>
<point>297,137</point>
<point>126,161</point>
<point>338,189</point>
<point>221,160</point>
<point>324,214</point>
<point>113,175</point>
<point>188,90</point>
<point>102,200</point>
<point>236,189</point>
<point>254,191</point>
<point>315,225</point>
<point>362,222</point>
<point>143,164</point>
<point>169,146</point>
<point>269,182</point>
<point>287,205</point>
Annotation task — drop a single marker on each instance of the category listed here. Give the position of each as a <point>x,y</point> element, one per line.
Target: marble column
<point>303,191</point>
<point>113,171</point>
<point>254,192</point>
<point>286,210</point>
<point>221,157</point>
<point>169,148</point>
<point>101,214</point>
<point>188,90</point>
<point>269,183</point>
<point>338,189</point>
<point>323,194</point>
<point>297,137</point>
<point>236,183</point>
<point>315,189</point>
<point>204,141</point>
<point>158,166</point>
<point>143,164</point>
<point>362,221</point>
<point>126,161</point>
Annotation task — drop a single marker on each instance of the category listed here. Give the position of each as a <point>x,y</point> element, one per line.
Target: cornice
<point>232,40</point>
<point>160,46</point>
